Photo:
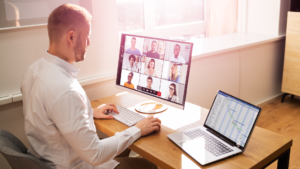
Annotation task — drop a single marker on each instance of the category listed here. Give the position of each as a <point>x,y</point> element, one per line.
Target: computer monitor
<point>155,68</point>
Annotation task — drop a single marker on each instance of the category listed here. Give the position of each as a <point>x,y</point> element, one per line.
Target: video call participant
<point>151,68</point>
<point>177,58</point>
<point>174,77</point>
<point>128,83</point>
<point>173,94</point>
<point>60,128</point>
<point>152,53</point>
<point>149,82</point>
<point>133,50</point>
<point>132,67</point>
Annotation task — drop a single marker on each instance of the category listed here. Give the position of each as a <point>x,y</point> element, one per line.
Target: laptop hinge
<point>221,137</point>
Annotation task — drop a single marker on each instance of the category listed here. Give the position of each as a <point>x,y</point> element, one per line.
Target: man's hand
<point>99,112</point>
<point>148,125</point>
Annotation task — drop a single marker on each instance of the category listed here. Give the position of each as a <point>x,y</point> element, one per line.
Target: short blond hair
<point>65,18</point>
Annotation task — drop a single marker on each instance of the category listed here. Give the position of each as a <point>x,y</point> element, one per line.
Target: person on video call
<point>152,53</point>
<point>174,77</point>
<point>176,57</point>
<point>161,49</point>
<point>172,93</point>
<point>128,83</point>
<point>149,82</point>
<point>59,118</point>
<point>133,50</point>
<point>132,66</point>
<point>151,68</point>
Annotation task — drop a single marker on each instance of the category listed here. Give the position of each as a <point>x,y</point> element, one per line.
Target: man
<point>152,53</point>
<point>132,67</point>
<point>58,115</point>
<point>133,50</point>
<point>177,58</point>
<point>149,82</point>
<point>128,83</point>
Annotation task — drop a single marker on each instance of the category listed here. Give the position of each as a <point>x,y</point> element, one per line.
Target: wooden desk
<point>263,148</point>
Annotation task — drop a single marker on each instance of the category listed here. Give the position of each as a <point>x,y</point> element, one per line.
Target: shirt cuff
<point>135,132</point>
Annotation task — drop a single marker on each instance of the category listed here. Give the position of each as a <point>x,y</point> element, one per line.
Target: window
<point>173,19</point>
<point>184,20</point>
<point>130,16</point>
<point>24,13</point>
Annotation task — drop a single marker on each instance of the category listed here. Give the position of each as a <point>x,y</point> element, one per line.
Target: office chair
<point>15,153</point>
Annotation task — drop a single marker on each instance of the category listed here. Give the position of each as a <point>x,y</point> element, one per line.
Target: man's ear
<point>70,37</point>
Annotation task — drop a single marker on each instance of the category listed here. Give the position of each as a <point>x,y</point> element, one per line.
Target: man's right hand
<point>148,125</point>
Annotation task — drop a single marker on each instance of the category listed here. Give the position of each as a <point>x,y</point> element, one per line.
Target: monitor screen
<point>155,67</point>
<point>232,117</point>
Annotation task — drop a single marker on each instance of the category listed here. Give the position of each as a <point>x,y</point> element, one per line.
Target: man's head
<point>176,50</point>
<point>131,59</point>
<point>149,82</point>
<point>69,31</point>
<point>130,76</point>
<point>133,42</point>
<point>153,46</point>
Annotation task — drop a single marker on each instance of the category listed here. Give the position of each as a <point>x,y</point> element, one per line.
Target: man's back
<point>43,85</point>
<point>59,121</point>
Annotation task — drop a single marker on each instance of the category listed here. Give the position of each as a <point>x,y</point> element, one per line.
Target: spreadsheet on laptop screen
<point>232,118</point>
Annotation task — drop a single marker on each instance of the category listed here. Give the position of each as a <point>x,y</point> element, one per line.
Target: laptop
<point>226,131</point>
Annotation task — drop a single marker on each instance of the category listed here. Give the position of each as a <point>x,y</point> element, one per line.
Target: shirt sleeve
<point>70,115</point>
<point>178,79</point>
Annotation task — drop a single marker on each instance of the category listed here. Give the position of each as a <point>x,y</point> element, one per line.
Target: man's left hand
<point>99,112</point>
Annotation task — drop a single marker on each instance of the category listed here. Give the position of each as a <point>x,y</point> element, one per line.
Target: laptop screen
<point>232,117</point>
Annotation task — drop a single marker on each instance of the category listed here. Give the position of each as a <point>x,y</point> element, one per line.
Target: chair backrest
<point>15,153</point>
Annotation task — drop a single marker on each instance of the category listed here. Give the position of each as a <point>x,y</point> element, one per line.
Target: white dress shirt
<point>132,69</point>
<point>179,59</point>
<point>59,122</point>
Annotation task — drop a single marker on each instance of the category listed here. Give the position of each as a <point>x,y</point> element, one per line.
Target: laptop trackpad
<point>195,148</point>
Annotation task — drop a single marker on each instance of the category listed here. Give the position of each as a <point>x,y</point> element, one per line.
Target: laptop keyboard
<point>211,144</point>
<point>126,116</point>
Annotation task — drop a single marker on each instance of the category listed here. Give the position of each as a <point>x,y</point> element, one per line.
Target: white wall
<point>209,74</point>
<point>261,70</point>
<point>253,74</point>
<point>267,17</point>
<point>22,46</point>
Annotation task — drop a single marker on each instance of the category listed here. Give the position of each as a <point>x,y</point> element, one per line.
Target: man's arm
<point>71,116</point>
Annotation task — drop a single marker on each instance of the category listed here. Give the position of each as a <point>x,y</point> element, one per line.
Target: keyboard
<point>125,116</point>
<point>212,145</point>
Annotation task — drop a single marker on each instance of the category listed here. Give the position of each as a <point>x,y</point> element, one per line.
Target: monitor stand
<point>150,107</point>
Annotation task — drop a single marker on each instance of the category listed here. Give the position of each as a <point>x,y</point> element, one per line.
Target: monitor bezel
<point>161,100</point>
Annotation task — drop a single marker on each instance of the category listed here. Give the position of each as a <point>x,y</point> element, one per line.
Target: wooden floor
<point>284,119</point>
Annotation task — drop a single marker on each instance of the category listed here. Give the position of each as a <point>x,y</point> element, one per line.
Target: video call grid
<point>144,54</point>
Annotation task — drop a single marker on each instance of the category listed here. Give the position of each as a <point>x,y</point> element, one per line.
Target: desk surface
<point>263,147</point>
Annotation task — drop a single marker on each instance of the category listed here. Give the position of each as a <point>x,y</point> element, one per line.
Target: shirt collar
<point>62,63</point>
